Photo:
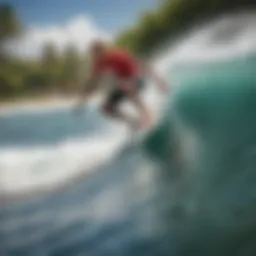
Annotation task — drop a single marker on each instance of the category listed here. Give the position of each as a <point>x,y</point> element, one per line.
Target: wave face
<point>206,142</point>
<point>43,149</point>
<point>206,145</point>
<point>187,189</point>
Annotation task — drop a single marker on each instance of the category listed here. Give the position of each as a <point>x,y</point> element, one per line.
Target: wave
<point>227,37</point>
<point>48,166</point>
<point>205,143</point>
<point>35,168</point>
<point>195,196</point>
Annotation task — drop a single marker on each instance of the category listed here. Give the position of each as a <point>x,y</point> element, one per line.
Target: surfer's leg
<point>111,108</point>
<point>146,117</point>
<point>145,113</point>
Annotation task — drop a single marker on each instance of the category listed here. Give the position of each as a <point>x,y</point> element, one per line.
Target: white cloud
<point>80,31</point>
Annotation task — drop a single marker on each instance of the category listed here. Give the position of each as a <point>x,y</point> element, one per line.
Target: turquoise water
<point>187,189</point>
<point>209,136</point>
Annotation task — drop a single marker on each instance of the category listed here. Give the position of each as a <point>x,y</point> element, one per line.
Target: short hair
<point>98,44</point>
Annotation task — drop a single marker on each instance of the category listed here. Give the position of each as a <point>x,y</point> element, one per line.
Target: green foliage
<point>70,67</point>
<point>49,55</point>
<point>54,72</point>
<point>9,27</point>
<point>128,39</point>
<point>9,24</point>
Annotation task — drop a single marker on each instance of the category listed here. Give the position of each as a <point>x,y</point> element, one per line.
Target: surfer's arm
<point>160,81</point>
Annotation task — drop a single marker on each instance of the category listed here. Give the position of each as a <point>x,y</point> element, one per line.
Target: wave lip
<point>230,36</point>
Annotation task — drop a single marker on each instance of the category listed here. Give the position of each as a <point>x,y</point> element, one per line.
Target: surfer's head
<point>98,48</point>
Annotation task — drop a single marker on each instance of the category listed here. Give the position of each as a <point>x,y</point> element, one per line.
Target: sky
<point>75,21</point>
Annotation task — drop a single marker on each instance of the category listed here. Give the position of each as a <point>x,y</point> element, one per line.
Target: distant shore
<point>39,102</point>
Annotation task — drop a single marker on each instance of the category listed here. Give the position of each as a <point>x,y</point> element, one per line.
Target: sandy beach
<point>39,103</point>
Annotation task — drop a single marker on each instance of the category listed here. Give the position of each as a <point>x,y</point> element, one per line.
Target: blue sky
<point>109,15</point>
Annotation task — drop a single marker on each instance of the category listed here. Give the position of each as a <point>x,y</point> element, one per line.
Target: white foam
<point>25,169</point>
<point>227,37</point>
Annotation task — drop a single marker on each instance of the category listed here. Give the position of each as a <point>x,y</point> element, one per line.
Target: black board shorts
<point>118,95</point>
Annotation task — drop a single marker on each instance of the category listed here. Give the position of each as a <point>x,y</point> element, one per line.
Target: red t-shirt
<point>121,63</point>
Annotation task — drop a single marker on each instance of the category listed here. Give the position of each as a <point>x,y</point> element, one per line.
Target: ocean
<point>76,185</point>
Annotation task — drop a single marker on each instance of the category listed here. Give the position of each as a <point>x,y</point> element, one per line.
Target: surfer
<point>129,74</point>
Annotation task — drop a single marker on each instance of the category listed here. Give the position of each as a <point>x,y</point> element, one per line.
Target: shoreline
<point>43,102</point>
